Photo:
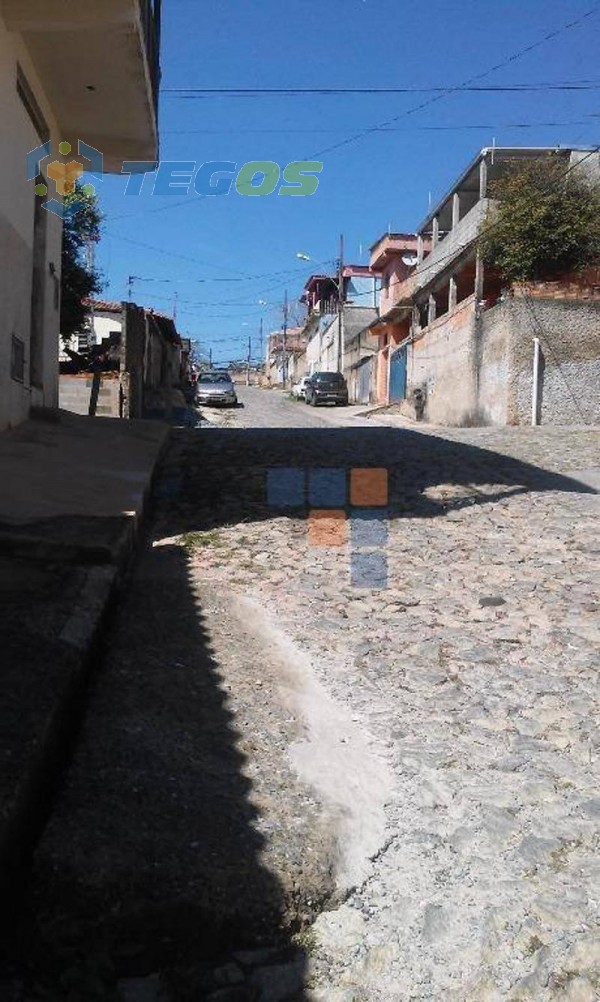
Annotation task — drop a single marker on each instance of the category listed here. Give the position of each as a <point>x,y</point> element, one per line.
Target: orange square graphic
<point>368,487</point>
<point>327,527</point>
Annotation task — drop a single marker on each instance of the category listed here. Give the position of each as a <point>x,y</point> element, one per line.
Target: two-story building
<point>333,333</point>
<point>461,344</point>
<point>69,72</point>
<point>394,257</point>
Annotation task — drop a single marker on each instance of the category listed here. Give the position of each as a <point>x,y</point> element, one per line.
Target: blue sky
<point>224,254</point>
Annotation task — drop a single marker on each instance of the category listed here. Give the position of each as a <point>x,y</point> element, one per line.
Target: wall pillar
<point>420,249</point>
<point>431,310</point>
<point>435,232</point>
<point>455,209</point>
<point>478,279</point>
<point>483,172</point>
<point>452,293</point>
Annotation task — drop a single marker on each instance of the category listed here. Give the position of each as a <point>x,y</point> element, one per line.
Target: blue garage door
<point>398,374</point>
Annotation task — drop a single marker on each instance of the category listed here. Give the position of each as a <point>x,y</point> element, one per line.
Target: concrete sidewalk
<point>72,494</point>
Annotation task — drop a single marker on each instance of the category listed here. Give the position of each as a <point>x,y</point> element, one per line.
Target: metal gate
<point>398,374</point>
<point>364,381</point>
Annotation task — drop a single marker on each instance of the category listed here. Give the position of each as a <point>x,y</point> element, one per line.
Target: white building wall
<point>17,137</point>
<point>103,326</point>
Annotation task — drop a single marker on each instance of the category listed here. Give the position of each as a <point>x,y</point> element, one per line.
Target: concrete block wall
<point>75,394</point>
<point>478,370</point>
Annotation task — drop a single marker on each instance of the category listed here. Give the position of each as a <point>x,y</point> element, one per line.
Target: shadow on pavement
<point>151,864</point>
<point>150,867</point>
<point>221,476</point>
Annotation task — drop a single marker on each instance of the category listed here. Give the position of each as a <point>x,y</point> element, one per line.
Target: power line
<point>191,93</point>
<point>400,128</point>
<point>461,87</point>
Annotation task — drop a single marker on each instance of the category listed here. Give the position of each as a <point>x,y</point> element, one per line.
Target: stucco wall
<point>17,137</point>
<point>492,365</point>
<point>442,361</point>
<point>479,371</point>
<point>569,333</point>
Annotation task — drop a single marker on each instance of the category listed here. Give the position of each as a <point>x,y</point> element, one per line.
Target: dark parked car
<point>326,388</point>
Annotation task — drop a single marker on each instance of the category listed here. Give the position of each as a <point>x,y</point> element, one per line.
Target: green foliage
<point>79,280</point>
<point>547,221</point>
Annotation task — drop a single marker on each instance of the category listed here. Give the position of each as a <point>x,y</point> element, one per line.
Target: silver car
<point>216,388</point>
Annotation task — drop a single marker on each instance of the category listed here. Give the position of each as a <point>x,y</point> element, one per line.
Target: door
<point>364,381</point>
<point>398,374</point>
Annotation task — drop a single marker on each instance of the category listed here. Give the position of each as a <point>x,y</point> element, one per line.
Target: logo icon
<point>342,507</point>
<point>65,174</point>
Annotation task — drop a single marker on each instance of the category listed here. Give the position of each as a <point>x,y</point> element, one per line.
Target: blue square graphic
<point>368,527</point>
<point>369,570</point>
<point>327,487</point>
<point>285,487</point>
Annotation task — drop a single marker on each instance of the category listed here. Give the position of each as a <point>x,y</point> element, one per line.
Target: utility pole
<point>130,282</point>
<point>284,339</point>
<point>341,306</point>
<point>261,341</point>
<point>90,253</point>
<point>248,360</point>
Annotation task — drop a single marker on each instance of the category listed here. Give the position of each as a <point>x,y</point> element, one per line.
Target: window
<point>17,359</point>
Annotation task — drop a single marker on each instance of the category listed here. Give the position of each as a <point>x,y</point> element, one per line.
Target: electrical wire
<point>467,83</point>
<point>401,128</point>
<point>190,93</point>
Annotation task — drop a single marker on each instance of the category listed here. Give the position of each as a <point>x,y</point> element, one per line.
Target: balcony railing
<point>458,239</point>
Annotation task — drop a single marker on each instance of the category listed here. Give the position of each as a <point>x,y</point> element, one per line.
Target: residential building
<point>333,335</point>
<point>394,257</point>
<point>460,344</point>
<point>58,86</point>
<point>285,360</point>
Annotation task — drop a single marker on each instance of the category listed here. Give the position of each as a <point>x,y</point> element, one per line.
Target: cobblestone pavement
<point>473,675</point>
<point>390,712</point>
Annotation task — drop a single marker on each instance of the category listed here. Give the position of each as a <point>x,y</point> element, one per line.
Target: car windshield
<point>214,377</point>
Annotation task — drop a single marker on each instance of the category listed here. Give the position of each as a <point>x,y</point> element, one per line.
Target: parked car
<point>216,388</point>
<point>326,388</point>
<point>299,389</point>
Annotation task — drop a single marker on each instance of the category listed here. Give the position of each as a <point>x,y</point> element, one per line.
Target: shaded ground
<point>190,825</point>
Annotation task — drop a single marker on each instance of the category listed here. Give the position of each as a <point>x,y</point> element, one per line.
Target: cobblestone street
<point>473,675</point>
<point>421,752</point>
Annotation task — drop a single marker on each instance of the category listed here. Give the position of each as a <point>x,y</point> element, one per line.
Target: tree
<point>80,279</point>
<point>546,222</point>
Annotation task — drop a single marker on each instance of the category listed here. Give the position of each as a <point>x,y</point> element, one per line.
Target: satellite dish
<point>410,260</point>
